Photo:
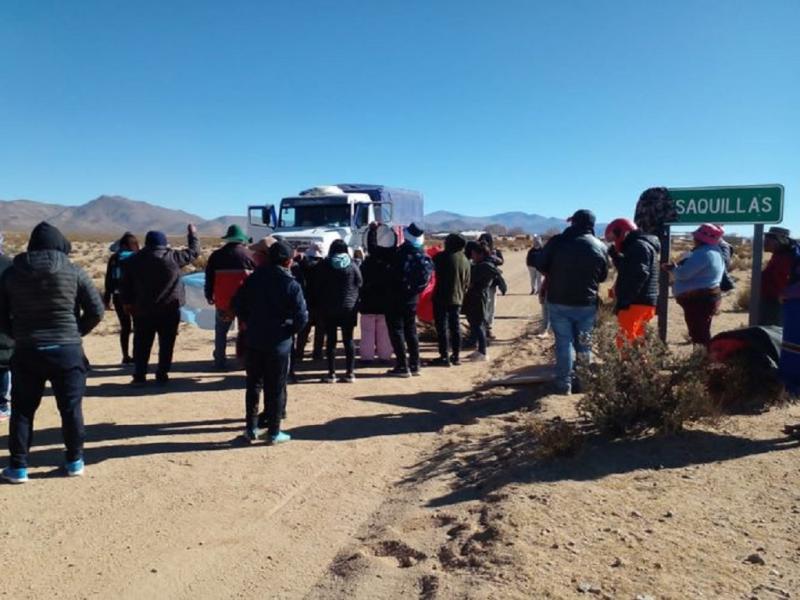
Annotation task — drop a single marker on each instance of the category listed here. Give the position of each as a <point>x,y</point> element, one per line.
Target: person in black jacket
<point>635,254</point>
<point>496,257</point>
<point>407,261</point>
<point>574,262</point>
<point>6,351</point>
<point>307,268</point>
<point>271,304</point>
<point>372,304</point>
<point>127,246</point>
<point>339,283</point>
<point>152,292</point>
<point>46,305</point>
<point>484,277</point>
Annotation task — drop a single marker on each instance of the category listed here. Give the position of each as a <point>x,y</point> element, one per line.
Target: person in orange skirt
<point>635,255</point>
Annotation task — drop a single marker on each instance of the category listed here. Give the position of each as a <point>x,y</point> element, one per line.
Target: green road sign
<point>736,204</point>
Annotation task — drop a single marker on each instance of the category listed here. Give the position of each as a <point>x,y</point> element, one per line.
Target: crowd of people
<point>281,298</point>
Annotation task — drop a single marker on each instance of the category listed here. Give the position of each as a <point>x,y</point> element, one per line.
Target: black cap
<point>583,218</point>
<point>415,230</point>
<point>280,252</point>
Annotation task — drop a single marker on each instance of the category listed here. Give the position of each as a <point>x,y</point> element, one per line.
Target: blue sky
<point>542,107</point>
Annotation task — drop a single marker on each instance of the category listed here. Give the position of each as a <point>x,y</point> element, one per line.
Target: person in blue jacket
<point>272,306</point>
<point>697,282</point>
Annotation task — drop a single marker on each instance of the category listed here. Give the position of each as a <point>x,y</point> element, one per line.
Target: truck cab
<point>323,214</point>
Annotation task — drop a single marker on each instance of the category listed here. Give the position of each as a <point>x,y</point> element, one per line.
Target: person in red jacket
<point>226,271</point>
<point>775,276</point>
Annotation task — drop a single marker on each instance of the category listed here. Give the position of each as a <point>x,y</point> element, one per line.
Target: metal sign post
<point>755,277</point>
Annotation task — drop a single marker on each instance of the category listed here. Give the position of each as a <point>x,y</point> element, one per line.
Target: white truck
<point>344,211</point>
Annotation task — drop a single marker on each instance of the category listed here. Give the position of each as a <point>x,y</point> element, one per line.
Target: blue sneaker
<point>279,438</point>
<point>5,411</point>
<point>15,475</point>
<point>74,468</point>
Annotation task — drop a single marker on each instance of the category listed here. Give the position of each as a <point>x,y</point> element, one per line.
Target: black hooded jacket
<point>637,266</point>
<point>44,298</point>
<point>151,280</point>
<point>575,263</point>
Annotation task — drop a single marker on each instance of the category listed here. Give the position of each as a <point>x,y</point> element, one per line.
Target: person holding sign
<point>697,280</point>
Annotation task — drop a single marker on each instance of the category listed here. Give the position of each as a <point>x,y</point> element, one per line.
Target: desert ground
<point>423,488</point>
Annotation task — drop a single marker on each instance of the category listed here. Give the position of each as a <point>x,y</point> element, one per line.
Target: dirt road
<point>174,506</point>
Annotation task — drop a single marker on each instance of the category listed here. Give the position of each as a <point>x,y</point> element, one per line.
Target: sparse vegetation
<point>742,303</point>
<point>644,386</point>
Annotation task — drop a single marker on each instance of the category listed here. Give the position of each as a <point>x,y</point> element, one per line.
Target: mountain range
<point>113,214</point>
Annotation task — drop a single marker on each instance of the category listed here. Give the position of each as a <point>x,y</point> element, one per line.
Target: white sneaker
<point>478,356</point>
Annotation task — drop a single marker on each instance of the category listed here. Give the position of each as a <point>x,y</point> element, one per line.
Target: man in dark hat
<point>575,262</point>
<point>226,271</point>
<point>271,304</point>
<point>411,272</point>
<point>775,276</point>
<point>152,292</point>
<point>46,305</point>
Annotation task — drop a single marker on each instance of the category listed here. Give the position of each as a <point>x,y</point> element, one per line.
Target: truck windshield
<point>315,215</point>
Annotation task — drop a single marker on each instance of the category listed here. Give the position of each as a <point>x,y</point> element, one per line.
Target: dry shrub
<point>555,438</point>
<point>742,303</point>
<point>643,387</point>
<point>740,262</point>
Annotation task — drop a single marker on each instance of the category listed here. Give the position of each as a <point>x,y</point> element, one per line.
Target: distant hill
<point>107,215</point>
<point>529,223</point>
<point>114,214</point>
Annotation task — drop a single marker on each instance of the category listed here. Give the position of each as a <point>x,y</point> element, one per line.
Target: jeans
<point>146,327</point>
<point>222,326</point>
<point>536,280</point>
<point>572,327</point>
<point>491,308</point>
<point>477,327</point>
<point>125,327</point>
<point>346,323</point>
<point>374,338</point>
<point>267,368</point>
<point>402,324</point>
<point>448,328</point>
<point>302,339</point>
<point>65,368</point>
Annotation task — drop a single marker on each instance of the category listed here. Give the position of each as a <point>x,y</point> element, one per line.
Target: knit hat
<point>46,237</point>
<point>781,234</point>
<point>708,234</point>
<point>414,235</point>
<point>235,234</point>
<point>280,252</point>
<point>154,239</point>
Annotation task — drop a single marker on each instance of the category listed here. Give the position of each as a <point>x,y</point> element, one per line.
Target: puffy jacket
<point>226,271</point>
<point>338,283</point>
<point>702,270</point>
<point>452,274</point>
<point>151,279</point>
<point>375,295</point>
<point>484,277</point>
<point>6,341</point>
<point>44,298</point>
<point>114,274</point>
<point>638,270</point>
<point>271,304</point>
<point>575,263</point>
<point>397,258</point>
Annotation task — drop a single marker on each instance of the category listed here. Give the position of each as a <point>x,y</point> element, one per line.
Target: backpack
<point>417,272</point>
<point>116,273</point>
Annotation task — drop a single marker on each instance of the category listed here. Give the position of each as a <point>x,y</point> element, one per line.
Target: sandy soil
<point>394,489</point>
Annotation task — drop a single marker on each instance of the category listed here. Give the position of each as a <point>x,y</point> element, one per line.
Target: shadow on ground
<point>482,464</point>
